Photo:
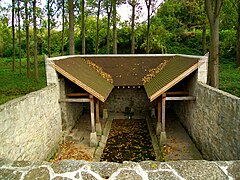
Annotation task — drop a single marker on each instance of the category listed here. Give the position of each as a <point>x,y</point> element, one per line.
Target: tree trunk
<point>63,21</point>
<point>204,40</point>
<point>13,36</point>
<point>97,33</point>
<point>19,39</point>
<point>71,28</point>
<point>109,12</point>
<point>35,41</point>
<point>238,37</point>
<point>213,13</point>
<point>148,3</point>
<point>27,38</point>
<point>214,54</point>
<point>114,27</point>
<point>83,28</point>
<point>49,28</point>
<point>133,28</point>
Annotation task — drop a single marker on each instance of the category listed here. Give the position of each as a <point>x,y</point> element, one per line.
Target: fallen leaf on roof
<point>100,71</point>
<point>153,72</point>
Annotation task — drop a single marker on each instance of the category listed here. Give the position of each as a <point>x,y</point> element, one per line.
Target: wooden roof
<point>174,71</point>
<point>84,76</point>
<point>128,71</point>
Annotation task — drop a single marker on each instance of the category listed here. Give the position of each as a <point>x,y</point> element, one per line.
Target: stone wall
<point>71,112</point>
<point>120,98</point>
<point>213,121</point>
<point>30,126</point>
<point>70,169</point>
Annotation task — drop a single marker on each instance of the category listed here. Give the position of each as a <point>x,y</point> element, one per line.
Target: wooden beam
<point>158,129</point>
<point>92,114</point>
<point>163,111</point>
<point>98,123</point>
<point>186,98</point>
<point>177,93</point>
<point>74,100</point>
<point>97,112</point>
<point>78,94</point>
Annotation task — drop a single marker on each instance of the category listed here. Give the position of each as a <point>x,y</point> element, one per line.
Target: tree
<point>114,4</point>
<point>13,36</point>
<point>97,32</point>
<point>108,6</point>
<point>133,4</point>
<point>63,27</point>
<point>238,35</point>
<point>27,38</point>
<point>49,27</point>
<point>19,38</point>
<point>71,27</point>
<point>35,41</point>
<point>83,27</point>
<point>213,9</point>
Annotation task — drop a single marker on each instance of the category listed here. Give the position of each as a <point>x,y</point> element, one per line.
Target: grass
<point>14,84</point>
<point>229,77</point>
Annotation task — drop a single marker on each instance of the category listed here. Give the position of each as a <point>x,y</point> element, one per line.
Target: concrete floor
<point>179,145</point>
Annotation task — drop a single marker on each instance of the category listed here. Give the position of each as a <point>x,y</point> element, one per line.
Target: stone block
<point>93,139</point>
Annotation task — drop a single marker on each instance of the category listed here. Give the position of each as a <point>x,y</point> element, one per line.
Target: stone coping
<point>70,169</point>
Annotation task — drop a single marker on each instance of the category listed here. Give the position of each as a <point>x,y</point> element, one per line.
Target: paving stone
<point>234,170</point>
<point>9,174</point>
<point>198,170</point>
<point>87,176</point>
<point>153,165</point>
<point>67,166</point>
<point>161,175</point>
<point>38,173</point>
<point>128,174</point>
<point>61,178</point>
<point>4,162</point>
<point>105,169</point>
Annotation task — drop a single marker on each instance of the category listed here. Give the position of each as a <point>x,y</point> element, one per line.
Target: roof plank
<point>85,77</point>
<point>176,70</point>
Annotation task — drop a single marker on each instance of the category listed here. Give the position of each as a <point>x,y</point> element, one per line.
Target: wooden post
<point>163,137</point>
<point>158,128</point>
<point>92,113</point>
<point>98,123</point>
<point>163,111</point>
<point>93,134</point>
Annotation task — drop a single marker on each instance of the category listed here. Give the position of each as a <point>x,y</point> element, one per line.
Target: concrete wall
<point>213,121</point>
<point>120,98</point>
<point>30,126</point>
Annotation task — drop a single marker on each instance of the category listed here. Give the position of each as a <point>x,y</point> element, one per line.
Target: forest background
<point>171,26</point>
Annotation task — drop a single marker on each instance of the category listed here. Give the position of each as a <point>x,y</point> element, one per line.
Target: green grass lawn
<point>229,77</point>
<point>14,84</point>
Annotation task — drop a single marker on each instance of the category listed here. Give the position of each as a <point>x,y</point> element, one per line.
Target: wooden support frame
<point>92,114</point>
<point>78,95</point>
<point>185,98</point>
<point>74,100</point>
<point>159,116</point>
<point>98,123</point>
<point>163,111</point>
